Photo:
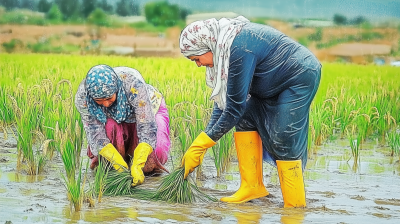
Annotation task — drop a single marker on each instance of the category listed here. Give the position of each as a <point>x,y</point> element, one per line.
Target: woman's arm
<point>216,114</point>
<point>241,69</point>
<point>94,129</point>
<point>139,97</point>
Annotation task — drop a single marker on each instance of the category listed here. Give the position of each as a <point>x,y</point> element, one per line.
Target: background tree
<point>9,4</point>
<point>134,8</point>
<point>122,8</point>
<point>162,13</point>
<point>88,7</point>
<point>366,25</point>
<point>317,36</point>
<point>54,14</point>
<point>358,20</point>
<point>27,4</point>
<point>127,8</point>
<point>339,19</point>
<point>105,6</point>
<point>69,8</point>
<point>98,17</point>
<point>44,6</point>
<point>184,13</point>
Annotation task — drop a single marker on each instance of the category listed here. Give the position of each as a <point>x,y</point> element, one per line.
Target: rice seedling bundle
<point>172,189</point>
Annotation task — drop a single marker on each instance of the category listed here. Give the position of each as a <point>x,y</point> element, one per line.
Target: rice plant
<point>222,152</point>
<point>75,187</point>
<point>355,146</point>
<point>120,184</point>
<point>175,189</point>
<point>98,187</point>
<point>31,143</point>
<point>394,142</point>
<point>319,119</point>
<point>355,150</point>
<point>363,125</point>
<point>172,189</point>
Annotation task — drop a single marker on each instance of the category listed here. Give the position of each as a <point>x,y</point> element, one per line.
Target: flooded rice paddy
<point>337,191</point>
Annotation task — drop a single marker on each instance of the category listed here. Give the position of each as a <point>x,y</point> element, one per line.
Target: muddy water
<point>337,192</point>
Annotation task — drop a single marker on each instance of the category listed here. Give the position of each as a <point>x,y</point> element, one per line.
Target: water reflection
<point>98,215</point>
<point>18,177</point>
<point>247,218</point>
<point>293,216</point>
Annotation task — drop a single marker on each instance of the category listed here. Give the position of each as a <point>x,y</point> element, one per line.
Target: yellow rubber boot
<point>249,153</point>
<point>110,153</point>
<point>142,151</point>
<point>292,184</point>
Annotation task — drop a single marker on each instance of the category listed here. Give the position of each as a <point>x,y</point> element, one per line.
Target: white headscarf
<point>201,37</point>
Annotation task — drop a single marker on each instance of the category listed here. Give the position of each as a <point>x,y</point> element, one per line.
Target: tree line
<point>158,13</point>
<point>76,8</point>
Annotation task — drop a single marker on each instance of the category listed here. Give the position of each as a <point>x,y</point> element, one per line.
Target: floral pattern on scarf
<point>102,82</point>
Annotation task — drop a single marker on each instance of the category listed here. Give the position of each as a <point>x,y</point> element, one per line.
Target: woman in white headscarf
<point>263,83</point>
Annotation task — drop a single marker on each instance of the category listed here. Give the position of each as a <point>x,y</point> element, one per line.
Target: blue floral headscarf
<point>103,82</point>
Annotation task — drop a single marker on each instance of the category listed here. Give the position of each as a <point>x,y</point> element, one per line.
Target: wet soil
<point>336,191</point>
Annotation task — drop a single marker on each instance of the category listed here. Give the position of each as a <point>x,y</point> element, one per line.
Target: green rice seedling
<point>347,116</point>
<point>355,145</point>
<point>3,128</point>
<point>331,105</point>
<point>175,189</point>
<point>393,138</point>
<point>183,136</point>
<point>67,152</point>
<point>29,151</point>
<point>383,122</point>
<point>98,186</point>
<point>73,169</point>
<point>222,152</point>
<point>120,184</point>
<point>355,149</point>
<point>319,117</point>
<point>310,140</point>
<point>6,113</point>
<point>96,189</point>
<point>77,133</point>
<point>75,187</point>
<point>363,125</point>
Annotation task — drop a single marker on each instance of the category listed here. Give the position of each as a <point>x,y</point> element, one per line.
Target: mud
<point>337,192</point>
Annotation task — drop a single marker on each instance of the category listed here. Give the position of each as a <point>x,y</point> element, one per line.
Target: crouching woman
<point>124,118</point>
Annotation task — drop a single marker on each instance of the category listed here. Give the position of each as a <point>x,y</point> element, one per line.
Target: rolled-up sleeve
<point>241,69</point>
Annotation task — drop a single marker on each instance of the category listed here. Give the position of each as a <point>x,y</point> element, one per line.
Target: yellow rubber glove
<point>110,153</point>
<point>142,151</point>
<point>195,153</point>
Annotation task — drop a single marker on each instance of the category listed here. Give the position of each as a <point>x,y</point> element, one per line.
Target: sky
<point>317,9</point>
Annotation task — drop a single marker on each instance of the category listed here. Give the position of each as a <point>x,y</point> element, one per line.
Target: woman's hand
<point>195,153</point>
